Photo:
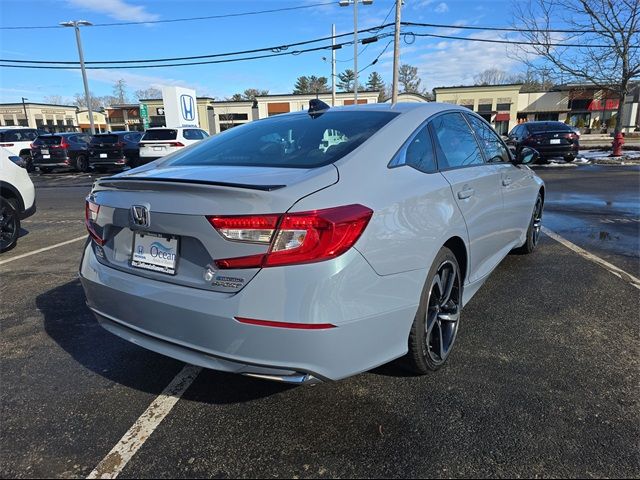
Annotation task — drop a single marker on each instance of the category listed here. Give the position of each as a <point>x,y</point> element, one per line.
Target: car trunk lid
<point>178,201</point>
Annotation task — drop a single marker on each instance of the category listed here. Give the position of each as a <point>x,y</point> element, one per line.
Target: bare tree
<point>120,94</point>
<point>80,101</point>
<point>614,25</point>
<point>54,99</point>
<point>148,93</point>
<point>495,76</point>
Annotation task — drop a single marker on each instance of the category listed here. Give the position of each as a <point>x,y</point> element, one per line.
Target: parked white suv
<point>18,141</point>
<point>158,142</point>
<point>17,198</point>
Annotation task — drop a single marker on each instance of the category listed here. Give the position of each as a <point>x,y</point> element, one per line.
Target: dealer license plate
<point>152,251</point>
<point>103,155</point>
<point>554,141</point>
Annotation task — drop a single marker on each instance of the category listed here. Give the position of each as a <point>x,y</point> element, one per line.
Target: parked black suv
<point>61,150</point>
<point>114,149</point>
<point>549,139</point>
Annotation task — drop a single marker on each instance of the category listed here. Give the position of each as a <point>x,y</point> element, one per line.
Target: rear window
<point>48,140</point>
<point>98,139</point>
<point>161,134</point>
<point>547,127</point>
<point>292,141</point>
<point>18,135</point>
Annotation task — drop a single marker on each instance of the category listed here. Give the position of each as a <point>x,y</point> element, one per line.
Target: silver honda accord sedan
<point>311,246</point>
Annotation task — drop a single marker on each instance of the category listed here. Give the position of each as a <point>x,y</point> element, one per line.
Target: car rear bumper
<point>372,315</point>
<point>548,151</point>
<point>120,161</point>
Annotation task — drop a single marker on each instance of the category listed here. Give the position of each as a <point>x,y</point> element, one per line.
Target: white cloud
<point>441,8</point>
<point>118,9</point>
<point>449,63</point>
<point>136,81</point>
<point>422,3</point>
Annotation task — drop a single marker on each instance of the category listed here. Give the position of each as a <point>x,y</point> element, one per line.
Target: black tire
<point>45,169</point>
<point>533,232</point>
<point>82,163</point>
<point>436,324</point>
<point>9,224</point>
<point>569,158</point>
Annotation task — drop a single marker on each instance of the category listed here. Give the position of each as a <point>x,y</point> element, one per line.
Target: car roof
<point>426,108</point>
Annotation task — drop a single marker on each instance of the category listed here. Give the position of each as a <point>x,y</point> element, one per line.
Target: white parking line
<point>130,443</point>
<point>40,250</point>
<point>618,272</point>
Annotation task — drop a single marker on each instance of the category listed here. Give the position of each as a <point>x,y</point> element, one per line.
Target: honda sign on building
<point>180,107</point>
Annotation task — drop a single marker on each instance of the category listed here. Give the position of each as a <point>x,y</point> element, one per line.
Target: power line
<point>495,29</point>
<point>510,42</point>
<point>228,60</point>
<point>174,20</point>
<point>275,49</point>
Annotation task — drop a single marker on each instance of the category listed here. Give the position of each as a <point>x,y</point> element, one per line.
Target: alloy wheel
<point>443,312</point>
<point>8,225</point>
<point>537,222</point>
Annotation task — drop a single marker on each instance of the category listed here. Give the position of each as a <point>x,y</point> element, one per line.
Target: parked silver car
<point>313,245</point>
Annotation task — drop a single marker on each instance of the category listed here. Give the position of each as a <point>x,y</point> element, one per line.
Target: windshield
<point>160,134</point>
<point>291,141</point>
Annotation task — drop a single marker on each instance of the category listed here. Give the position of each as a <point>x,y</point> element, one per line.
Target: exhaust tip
<point>294,379</point>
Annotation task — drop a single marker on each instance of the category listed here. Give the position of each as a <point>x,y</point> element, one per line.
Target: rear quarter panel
<point>414,212</point>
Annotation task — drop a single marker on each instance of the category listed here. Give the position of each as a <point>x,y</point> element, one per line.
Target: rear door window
<point>492,146</point>
<point>455,142</point>
<point>419,152</point>
<point>19,135</point>
<point>160,134</point>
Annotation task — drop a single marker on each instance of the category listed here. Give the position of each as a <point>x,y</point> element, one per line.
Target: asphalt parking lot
<point>544,381</point>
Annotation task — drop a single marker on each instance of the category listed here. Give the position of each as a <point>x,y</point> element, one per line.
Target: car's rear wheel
<point>569,158</point>
<point>82,163</point>
<point>436,324</point>
<point>9,225</point>
<point>533,232</point>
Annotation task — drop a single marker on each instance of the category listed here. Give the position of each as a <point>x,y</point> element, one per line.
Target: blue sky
<point>440,62</point>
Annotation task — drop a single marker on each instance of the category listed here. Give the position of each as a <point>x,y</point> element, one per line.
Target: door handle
<point>466,193</point>
<point>506,181</point>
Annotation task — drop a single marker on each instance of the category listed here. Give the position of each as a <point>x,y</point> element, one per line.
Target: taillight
<point>91,211</point>
<point>32,146</point>
<point>294,238</point>
<point>6,144</point>
<point>298,326</point>
<point>176,144</point>
<point>249,228</point>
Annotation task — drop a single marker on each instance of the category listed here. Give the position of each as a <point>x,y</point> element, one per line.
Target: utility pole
<point>76,24</point>
<point>346,3</point>
<point>24,107</point>
<point>396,54</point>
<point>355,52</point>
<point>333,65</point>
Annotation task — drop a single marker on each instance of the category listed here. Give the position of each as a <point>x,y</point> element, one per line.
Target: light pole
<point>77,24</point>
<point>24,107</point>
<point>346,3</point>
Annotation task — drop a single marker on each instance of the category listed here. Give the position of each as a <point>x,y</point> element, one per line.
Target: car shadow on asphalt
<point>70,323</point>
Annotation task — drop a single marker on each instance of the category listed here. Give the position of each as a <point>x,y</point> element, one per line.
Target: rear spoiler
<point>145,182</point>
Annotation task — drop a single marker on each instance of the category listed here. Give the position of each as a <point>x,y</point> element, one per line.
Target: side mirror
<point>526,156</point>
